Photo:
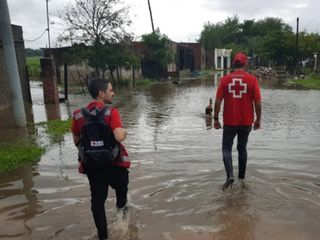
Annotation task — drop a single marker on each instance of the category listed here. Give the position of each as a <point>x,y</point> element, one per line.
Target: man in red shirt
<point>241,95</point>
<point>116,176</point>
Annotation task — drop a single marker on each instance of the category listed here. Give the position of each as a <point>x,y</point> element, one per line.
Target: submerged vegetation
<point>145,82</point>
<point>311,81</point>
<point>18,153</point>
<point>56,128</point>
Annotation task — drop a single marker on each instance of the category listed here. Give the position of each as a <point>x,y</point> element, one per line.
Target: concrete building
<point>222,58</point>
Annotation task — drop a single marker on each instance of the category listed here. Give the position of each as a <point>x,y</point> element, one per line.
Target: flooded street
<point>177,172</point>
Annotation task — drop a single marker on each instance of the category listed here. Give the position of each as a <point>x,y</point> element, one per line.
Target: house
<point>186,58</point>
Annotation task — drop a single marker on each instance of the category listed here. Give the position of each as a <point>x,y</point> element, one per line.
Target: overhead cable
<point>37,37</point>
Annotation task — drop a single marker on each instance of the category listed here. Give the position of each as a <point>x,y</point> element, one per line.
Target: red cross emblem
<point>237,87</point>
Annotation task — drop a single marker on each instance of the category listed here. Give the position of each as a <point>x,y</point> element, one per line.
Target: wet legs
<point>99,193</point>
<point>229,134</point>
<point>243,135</point>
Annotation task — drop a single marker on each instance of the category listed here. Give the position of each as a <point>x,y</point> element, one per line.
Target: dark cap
<point>240,59</point>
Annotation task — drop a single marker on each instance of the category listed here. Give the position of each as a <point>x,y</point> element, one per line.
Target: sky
<point>180,20</point>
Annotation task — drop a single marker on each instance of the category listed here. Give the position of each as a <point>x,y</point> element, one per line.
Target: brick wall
<point>49,79</point>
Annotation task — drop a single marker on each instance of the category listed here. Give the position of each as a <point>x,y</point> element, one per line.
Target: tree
<point>34,52</point>
<point>222,33</point>
<point>269,25</point>
<point>95,22</point>
<point>308,44</point>
<point>270,38</point>
<point>157,53</point>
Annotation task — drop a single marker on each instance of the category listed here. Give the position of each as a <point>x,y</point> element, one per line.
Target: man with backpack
<point>98,133</point>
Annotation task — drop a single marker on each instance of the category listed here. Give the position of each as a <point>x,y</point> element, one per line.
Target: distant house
<point>6,111</point>
<point>77,73</point>
<point>187,57</point>
<point>222,58</point>
<point>218,59</point>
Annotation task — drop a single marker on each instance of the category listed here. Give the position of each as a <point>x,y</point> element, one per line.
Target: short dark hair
<point>96,85</point>
<point>238,65</point>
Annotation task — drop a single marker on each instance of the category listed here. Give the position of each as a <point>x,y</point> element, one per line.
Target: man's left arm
<point>217,106</point>
<point>257,109</point>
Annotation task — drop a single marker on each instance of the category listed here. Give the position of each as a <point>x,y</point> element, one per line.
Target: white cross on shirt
<point>237,87</point>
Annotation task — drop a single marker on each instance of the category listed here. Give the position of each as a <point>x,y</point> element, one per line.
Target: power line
<point>312,20</point>
<point>33,40</point>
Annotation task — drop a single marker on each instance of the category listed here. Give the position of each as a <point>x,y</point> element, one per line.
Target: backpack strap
<point>103,110</point>
<point>100,112</point>
<point>85,112</point>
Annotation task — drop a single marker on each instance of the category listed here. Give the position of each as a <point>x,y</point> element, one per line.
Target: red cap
<point>240,58</point>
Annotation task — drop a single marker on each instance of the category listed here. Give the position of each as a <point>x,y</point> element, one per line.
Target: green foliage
<point>18,153</point>
<point>124,82</point>
<point>94,21</point>
<point>222,33</point>
<point>272,40</point>
<point>157,48</point>
<point>33,65</point>
<point>269,25</point>
<point>57,128</point>
<point>308,44</point>
<point>34,52</point>
<point>107,56</point>
<point>145,82</point>
<point>312,81</point>
<point>97,30</point>
<point>157,54</point>
<point>279,46</point>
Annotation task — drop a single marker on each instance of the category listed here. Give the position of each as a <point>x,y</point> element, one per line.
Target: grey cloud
<point>288,10</point>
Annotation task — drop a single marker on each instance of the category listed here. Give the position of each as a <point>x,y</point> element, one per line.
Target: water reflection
<point>175,157</point>
<point>208,120</point>
<point>234,218</point>
<point>25,205</point>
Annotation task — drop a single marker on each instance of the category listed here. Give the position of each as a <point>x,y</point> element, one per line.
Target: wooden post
<point>66,82</point>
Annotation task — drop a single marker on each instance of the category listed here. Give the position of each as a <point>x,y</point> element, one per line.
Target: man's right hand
<point>216,124</point>
<point>256,125</point>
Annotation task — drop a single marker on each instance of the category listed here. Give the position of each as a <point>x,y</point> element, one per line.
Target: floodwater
<point>177,172</point>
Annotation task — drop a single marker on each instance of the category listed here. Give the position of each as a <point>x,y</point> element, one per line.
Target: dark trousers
<point>229,133</point>
<point>118,179</point>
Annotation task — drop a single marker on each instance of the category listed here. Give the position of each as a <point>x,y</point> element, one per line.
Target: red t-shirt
<point>238,90</point>
<point>113,119</point>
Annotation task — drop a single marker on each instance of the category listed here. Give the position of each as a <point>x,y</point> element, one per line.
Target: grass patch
<point>15,154</point>
<point>57,128</point>
<point>123,82</point>
<point>18,153</point>
<point>33,64</point>
<point>311,82</point>
<point>144,82</point>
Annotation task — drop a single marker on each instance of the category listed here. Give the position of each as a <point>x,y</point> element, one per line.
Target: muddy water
<point>177,173</point>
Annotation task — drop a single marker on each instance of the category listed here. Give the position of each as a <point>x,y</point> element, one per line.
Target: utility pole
<point>297,47</point>
<point>12,66</point>
<point>151,16</point>
<point>48,24</point>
